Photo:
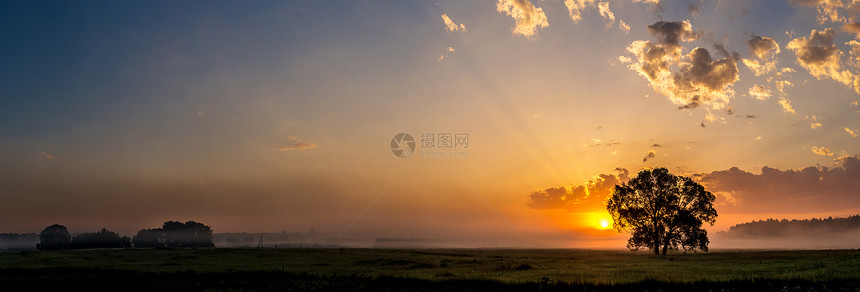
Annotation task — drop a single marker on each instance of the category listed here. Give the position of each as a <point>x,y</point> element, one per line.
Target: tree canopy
<point>662,211</point>
<point>54,237</point>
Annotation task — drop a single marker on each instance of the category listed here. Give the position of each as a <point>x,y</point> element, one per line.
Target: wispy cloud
<point>851,132</point>
<point>295,144</point>
<point>823,151</point>
<point>760,92</point>
<point>46,155</point>
<point>450,25</point>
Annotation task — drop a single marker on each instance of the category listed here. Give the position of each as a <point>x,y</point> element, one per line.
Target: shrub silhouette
<point>175,234</point>
<point>101,239</point>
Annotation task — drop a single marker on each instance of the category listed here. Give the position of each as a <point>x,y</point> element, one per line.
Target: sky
<point>271,116</point>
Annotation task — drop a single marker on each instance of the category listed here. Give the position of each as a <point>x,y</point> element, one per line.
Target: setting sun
<point>604,223</point>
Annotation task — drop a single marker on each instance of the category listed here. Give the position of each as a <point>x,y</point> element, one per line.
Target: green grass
<point>511,267</point>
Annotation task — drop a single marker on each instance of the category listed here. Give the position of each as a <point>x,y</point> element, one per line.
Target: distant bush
<point>149,238</point>
<point>175,234</point>
<point>101,239</point>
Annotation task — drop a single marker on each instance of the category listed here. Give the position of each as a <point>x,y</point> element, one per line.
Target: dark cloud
<point>648,155</point>
<point>589,197</point>
<point>811,189</point>
<point>672,32</point>
<point>762,47</point>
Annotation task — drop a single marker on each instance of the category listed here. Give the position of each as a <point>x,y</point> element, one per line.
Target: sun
<point>604,224</point>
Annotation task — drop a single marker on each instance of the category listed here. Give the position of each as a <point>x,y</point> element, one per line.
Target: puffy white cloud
<point>527,17</point>
<point>760,92</point>
<point>450,25</point>
<point>821,57</point>
<point>764,51</point>
<point>699,79</point>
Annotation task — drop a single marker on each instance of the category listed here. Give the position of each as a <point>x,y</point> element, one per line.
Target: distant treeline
<point>171,234</point>
<point>805,227</point>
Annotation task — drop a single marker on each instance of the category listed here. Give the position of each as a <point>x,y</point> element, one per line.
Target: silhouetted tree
<point>149,238</point>
<point>662,210</point>
<point>188,234</point>
<point>54,237</point>
<point>101,239</point>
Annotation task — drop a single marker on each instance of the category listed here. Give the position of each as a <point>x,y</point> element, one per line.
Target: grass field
<point>429,269</point>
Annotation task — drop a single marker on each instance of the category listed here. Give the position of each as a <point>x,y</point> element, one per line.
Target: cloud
<point>764,51</point>
<point>820,56</point>
<point>698,80</point>
<point>828,10</point>
<point>603,8</point>
<point>760,92</point>
<point>450,25</point>
<point>851,27</point>
<point>654,3</point>
<point>815,125</point>
<point>786,105</point>
<point>781,85</point>
<point>527,17</point>
<point>650,154</point>
<point>823,151</point>
<point>811,189</point>
<point>672,33</point>
<point>693,9</point>
<point>295,144</point>
<point>758,138</point>
<point>449,51</point>
<point>852,133</point>
<point>623,26</point>
<point>588,197</point>
<point>575,7</point>
<point>49,156</point>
